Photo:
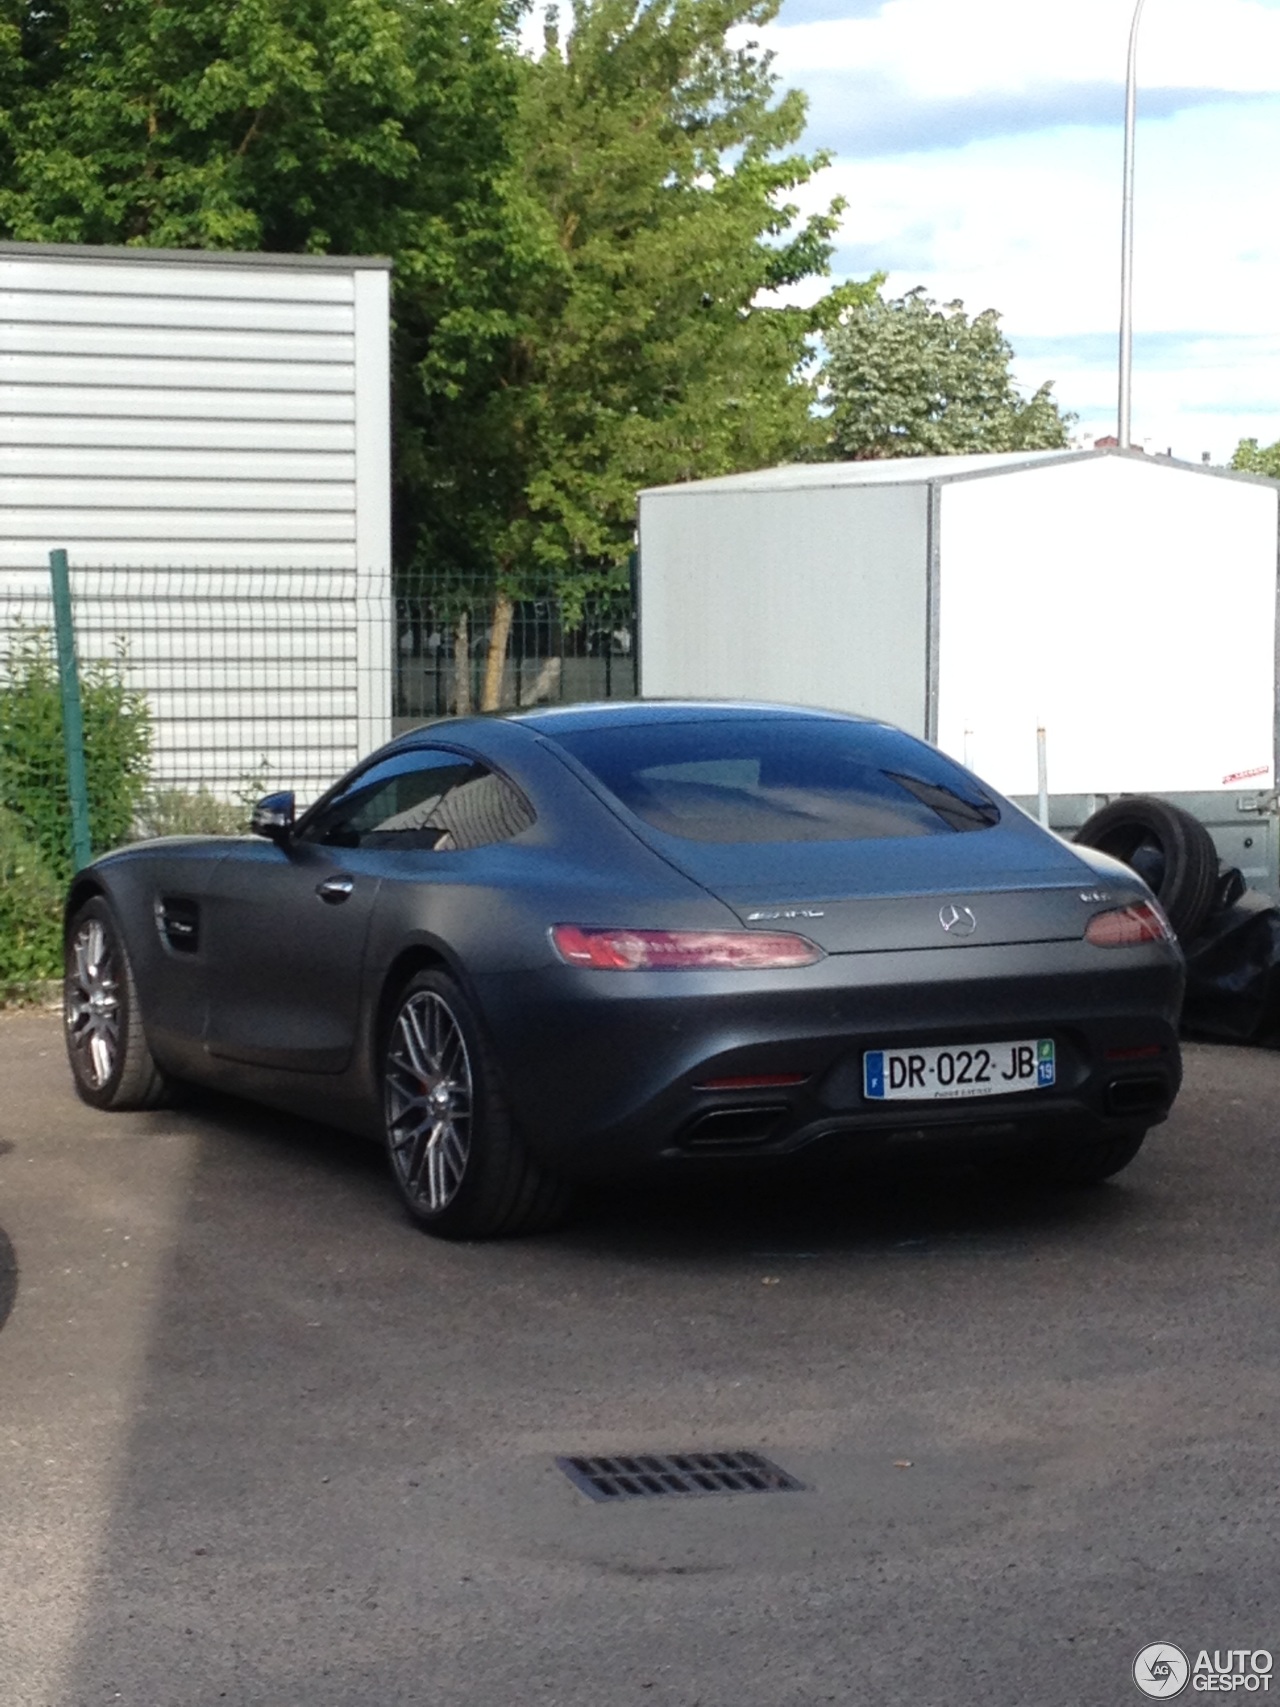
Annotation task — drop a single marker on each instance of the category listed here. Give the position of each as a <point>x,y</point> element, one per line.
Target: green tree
<point>1252,458</point>
<point>907,377</point>
<point>296,125</point>
<point>325,126</point>
<point>593,247</point>
<point>650,338</point>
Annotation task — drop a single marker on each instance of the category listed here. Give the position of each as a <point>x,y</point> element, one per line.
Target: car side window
<point>422,799</point>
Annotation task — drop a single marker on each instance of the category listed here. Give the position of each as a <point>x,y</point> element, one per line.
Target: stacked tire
<point>1168,847</point>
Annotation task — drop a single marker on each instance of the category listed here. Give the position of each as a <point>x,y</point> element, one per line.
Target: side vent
<point>179,923</point>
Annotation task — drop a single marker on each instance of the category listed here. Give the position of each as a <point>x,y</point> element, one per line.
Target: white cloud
<point>1029,223</point>
<point>938,49</point>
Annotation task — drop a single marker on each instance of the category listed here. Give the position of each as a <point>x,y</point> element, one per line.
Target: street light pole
<point>1126,236</point>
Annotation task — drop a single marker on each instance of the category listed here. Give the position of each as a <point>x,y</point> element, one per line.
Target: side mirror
<point>273,816</point>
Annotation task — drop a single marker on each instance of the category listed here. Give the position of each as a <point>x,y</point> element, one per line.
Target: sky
<point>979,145</point>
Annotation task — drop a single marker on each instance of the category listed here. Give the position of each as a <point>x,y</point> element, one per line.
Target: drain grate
<point>681,1473</point>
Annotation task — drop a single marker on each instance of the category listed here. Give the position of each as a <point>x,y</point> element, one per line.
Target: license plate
<point>962,1070</point>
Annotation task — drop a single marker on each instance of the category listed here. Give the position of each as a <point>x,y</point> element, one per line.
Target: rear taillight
<point>1125,927</point>
<point>621,950</point>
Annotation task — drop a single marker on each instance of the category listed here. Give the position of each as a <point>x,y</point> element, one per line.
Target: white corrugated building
<point>207,435</point>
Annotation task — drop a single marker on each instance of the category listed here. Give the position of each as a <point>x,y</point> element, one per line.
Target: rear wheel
<point>110,1062</point>
<point>461,1168</point>
<point>1088,1163</point>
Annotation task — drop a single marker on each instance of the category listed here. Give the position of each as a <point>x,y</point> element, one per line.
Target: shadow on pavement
<point>8,1262</point>
<point>8,1277</point>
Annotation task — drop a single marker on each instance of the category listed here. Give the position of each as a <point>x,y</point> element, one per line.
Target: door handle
<point>335,889</point>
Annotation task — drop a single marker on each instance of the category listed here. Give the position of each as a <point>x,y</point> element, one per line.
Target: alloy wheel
<point>93,1004</point>
<point>429,1101</point>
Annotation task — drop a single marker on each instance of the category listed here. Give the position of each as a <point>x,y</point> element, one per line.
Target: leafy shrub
<point>30,911</point>
<point>33,766</point>
<point>191,812</point>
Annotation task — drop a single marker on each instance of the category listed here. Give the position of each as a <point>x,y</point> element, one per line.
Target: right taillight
<point>1126,927</point>
<point>627,950</point>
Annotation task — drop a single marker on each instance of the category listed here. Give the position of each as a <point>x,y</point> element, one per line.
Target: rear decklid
<point>848,832</point>
<point>857,897</point>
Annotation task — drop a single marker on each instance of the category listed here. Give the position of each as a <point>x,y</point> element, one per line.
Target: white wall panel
<point>26,562</point>
<point>267,466</point>
<point>88,525</point>
<point>177,401</point>
<point>811,597</point>
<point>175,343</point>
<point>214,493</point>
<point>60,308</point>
<point>37,435</point>
<point>373,507</point>
<point>152,277</point>
<point>208,438</point>
<point>175,372</point>
<point>1129,609</point>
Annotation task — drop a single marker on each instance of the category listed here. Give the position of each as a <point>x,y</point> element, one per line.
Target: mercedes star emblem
<point>957,921</point>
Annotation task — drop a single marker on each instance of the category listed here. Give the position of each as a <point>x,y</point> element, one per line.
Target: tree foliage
<point>321,126</point>
<point>656,160</point>
<point>296,125</point>
<point>1252,458</point>
<point>907,377</point>
<point>593,246</point>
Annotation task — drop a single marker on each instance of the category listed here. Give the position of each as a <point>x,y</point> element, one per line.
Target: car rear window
<point>779,780</point>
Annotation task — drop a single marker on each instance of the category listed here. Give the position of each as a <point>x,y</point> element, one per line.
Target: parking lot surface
<point>263,1442</point>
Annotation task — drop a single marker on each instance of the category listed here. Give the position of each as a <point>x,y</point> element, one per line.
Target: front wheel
<point>461,1168</point>
<point>110,1062</point>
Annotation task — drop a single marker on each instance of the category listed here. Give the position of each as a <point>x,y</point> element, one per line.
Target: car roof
<point>493,731</point>
<point>607,714</point>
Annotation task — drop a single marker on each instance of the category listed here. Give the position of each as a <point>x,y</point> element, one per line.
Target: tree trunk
<point>503,613</point>
<point>462,665</point>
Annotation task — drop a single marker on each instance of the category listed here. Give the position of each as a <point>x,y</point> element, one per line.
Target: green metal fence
<point>210,686</point>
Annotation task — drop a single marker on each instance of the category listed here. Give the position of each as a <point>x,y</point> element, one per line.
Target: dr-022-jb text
<point>980,1069</point>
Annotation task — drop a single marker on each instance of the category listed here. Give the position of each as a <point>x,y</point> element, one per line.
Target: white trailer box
<point>211,432</point>
<point>1124,604</point>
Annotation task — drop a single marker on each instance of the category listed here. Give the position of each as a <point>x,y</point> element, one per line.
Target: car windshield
<point>781,780</point>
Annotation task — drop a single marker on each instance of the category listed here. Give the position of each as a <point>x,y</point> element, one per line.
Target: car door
<point>288,922</point>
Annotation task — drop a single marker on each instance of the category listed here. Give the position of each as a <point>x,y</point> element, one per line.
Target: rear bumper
<point>607,1072</point>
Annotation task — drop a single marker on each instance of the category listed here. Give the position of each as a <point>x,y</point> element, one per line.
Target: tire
<point>1093,1163</point>
<point>110,1062</point>
<point>460,1166</point>
<point>1165,845</point>
<point>1087,1163</point>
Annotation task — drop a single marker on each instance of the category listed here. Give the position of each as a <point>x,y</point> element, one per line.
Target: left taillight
<point>622,950</point>
<point>1126,927</point>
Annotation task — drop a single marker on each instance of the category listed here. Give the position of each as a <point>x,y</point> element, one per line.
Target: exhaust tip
<point>733,1128</point>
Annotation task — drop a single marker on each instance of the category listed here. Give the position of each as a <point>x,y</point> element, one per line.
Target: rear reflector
<point>754,1082</point>
<point>622,950</point>
<point>1124,927</point>
<point>1147,1052</point>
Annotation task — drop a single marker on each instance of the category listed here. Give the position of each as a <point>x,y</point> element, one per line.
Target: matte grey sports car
<point>529,948</point>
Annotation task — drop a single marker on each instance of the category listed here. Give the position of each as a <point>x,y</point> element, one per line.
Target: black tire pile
<point>1169,848</point>
<point>1230,934</point>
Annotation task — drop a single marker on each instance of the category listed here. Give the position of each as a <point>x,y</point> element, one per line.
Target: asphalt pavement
<point>262,1442</point>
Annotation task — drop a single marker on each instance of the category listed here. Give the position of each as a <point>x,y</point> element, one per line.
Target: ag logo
<point>1161,1671</point>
